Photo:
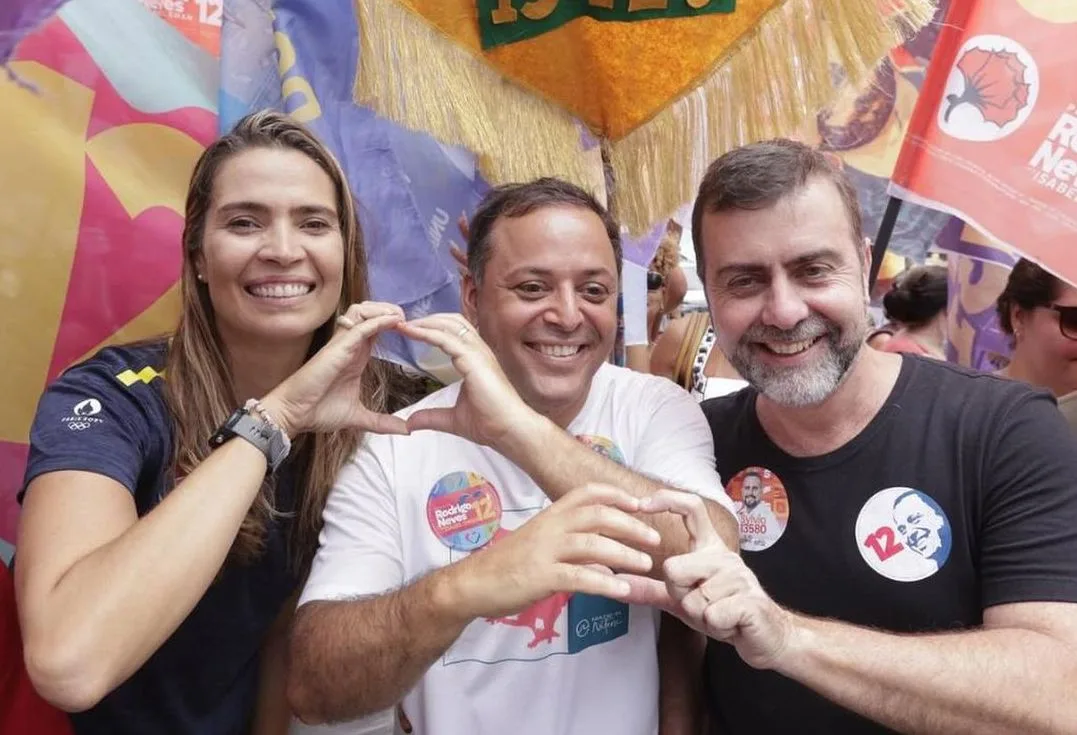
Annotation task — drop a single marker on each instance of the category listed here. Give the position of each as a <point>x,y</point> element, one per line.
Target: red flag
<point>993,138</point>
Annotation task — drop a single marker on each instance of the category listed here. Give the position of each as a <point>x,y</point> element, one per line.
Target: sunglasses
<point>655,281</point>
<point>1067,319</point>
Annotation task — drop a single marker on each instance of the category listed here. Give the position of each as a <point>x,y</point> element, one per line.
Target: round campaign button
<point>762,507</point>
<point>463,510</point>
<point>903,534</point>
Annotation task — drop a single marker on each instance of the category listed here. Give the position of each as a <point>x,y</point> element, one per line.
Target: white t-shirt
<point>380,723</point>
<point>407,505</point>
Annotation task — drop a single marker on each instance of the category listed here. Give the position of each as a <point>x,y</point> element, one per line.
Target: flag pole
<point>619,354</point>
<point>882,238</point>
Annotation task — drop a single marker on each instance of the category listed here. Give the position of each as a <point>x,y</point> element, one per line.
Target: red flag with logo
<point>993,138</point>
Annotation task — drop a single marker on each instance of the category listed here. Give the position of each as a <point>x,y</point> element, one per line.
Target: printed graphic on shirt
<point>903,534</point>
<point>762,507</point>
<point>464,511</point>
<point>603,446</point>
<point>83,415</point>
<point>145,375</point>
<point>561,624</point>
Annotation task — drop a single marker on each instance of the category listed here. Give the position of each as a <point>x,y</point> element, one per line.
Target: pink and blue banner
<point>97,152</point>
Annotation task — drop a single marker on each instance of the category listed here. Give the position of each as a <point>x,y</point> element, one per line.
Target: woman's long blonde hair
<point>199,387</point>
<point>668,255</point>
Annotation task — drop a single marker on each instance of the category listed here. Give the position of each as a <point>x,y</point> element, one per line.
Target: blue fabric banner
<point>303,56</point>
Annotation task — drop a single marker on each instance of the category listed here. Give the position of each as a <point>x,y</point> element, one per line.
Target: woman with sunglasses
<point>1039,312</point>
<point>665,293</point>
<point>666,288</point>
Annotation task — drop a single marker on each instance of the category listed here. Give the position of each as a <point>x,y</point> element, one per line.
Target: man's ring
<point>463,331</point>
<point>345,322</point>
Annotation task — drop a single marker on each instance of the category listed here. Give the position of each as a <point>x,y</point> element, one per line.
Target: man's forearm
<point>680,669</point>
<point>272,715</point>
<point>353,658</point>
<point>973,681</point>
<point>558,463</point>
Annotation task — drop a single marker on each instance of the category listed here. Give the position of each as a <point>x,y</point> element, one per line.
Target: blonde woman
<point>686,354</point>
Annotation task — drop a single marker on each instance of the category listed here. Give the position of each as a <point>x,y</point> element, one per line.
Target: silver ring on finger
<point>463,330</point>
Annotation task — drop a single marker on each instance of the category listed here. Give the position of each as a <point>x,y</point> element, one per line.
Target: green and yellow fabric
<point>666,85</point>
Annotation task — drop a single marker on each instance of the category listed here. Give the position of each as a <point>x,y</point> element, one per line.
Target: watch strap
<point>267,437</point>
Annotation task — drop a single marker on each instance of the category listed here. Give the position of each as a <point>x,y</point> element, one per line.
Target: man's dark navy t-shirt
<point>108,416</point>
<point>961,494</point>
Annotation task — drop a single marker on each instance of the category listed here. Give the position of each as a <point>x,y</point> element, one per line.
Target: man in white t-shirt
<point>464,570</point>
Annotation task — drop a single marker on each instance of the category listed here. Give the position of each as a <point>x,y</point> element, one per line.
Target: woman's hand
<point>488,409</point>
<point>325,394</point>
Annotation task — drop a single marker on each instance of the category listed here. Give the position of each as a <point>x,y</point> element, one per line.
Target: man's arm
<point>680,670</point>
<point>489,411</point>
<point>353,658</point>
<point>1018,671</point>
<point>557,462</point>
<point>1015,674</point>
<point>272,716</point>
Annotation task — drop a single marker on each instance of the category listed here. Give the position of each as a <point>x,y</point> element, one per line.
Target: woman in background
<point>686,354</point>
<point>917,304</point>
<point>1039,313</point>
<point>666,287</point>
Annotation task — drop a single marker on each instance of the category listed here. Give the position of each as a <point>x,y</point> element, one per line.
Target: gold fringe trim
<point>516,134</point>
<point>773,80</point>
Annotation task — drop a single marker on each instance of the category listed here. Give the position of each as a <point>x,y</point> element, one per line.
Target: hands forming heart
<point>488,407</point>
<point>326,394</point>
<point>711,589</point>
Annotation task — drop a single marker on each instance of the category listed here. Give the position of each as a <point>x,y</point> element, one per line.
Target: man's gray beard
<point>800,386</point>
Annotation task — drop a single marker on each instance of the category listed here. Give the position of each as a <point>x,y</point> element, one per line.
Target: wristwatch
<point>258,430</point>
